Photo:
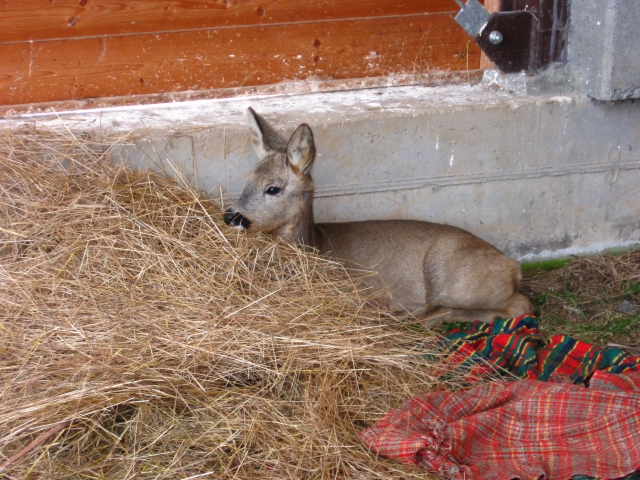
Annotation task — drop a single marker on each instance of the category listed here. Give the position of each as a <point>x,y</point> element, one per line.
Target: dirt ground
<point>594,299</point>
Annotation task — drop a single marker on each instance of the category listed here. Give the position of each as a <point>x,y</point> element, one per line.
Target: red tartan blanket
<point>524,429</point>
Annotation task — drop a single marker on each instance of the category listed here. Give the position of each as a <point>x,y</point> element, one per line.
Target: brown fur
<point>423,268</point>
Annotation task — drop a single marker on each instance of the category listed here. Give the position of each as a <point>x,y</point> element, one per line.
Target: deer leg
<point>518,304</point>
<point>436,317</point>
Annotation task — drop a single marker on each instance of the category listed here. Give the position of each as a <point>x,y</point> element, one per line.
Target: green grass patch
<point>546,265</point>
<point>622,325</point>
<point>616,328</point>
<point>631,288</point>
<point>449,326</point>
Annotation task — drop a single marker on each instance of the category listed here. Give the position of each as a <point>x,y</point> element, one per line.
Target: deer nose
<point>228,216</point>
<point>235,219</point>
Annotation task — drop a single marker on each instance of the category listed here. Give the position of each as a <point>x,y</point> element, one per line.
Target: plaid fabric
<point>524,429</point>
<point>516,346</point>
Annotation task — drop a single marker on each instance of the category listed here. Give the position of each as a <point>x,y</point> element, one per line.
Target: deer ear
<point>263,137</point>
<point>301,151</point>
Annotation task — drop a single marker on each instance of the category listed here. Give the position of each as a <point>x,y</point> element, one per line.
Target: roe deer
<point>422,267</point>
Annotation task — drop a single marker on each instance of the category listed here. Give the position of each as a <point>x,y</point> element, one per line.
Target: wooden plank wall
<point>492,6</point>
<point>54,50</point>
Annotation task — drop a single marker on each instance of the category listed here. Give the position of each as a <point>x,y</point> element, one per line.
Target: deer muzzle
<point>235,219</point>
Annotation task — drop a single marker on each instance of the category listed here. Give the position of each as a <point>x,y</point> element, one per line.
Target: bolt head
<point>495,37</point>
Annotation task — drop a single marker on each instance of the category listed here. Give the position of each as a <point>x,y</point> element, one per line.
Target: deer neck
<point>307,234</point>
<point>303,231</point>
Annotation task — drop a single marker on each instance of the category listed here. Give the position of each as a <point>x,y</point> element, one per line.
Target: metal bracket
<point>472,17</point>
<point>509,39</point>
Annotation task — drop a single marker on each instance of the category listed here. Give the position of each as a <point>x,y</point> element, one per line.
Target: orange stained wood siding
<point>491,6</point>
<point>61,50</point>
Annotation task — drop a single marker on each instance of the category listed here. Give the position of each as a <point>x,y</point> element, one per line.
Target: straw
<point>142,338</point>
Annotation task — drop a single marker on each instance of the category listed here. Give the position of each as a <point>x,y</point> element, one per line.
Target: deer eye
<point>272,190</point>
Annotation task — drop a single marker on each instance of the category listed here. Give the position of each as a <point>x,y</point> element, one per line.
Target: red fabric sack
<point>524,429</point>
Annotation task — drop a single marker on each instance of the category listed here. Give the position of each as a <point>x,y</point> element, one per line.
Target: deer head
<point>278,193</point>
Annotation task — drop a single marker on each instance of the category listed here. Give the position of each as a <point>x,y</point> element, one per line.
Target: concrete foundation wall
<point>536,176</point>
<point>603,48</point>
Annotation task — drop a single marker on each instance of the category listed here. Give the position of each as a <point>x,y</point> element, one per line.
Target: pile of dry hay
<point>140,338</point>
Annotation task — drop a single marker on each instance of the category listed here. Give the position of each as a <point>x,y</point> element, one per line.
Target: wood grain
<point>232,57</point>
<point>491,6</point>
<point>54,19</point>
